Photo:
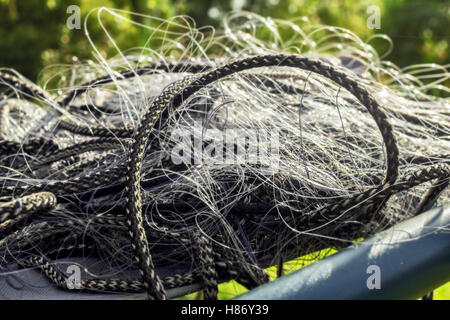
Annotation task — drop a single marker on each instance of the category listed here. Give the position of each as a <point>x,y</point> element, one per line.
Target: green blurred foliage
<point>33,33</point>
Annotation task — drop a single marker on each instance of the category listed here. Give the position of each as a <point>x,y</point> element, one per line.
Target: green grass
<point>442,293</point>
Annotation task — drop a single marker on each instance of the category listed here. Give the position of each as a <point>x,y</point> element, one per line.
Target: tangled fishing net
<point>216,155</point>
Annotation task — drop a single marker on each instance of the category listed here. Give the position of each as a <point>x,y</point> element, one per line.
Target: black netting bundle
<point>233,155</point>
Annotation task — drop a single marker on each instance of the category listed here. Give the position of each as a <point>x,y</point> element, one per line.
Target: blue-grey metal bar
<point>404,262</point>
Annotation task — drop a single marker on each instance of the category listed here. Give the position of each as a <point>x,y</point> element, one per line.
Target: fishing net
<point>215,155</point>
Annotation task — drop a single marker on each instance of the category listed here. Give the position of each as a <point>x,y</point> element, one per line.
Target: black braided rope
<point>206,261</point>
<point>95,131</point>
<point>57,277</point>
<point>26,205</point>
<point>32,147</point>
<point>25,87</point>
<point>13,212</point>
<point>77,149</point>
<point>152,68</point>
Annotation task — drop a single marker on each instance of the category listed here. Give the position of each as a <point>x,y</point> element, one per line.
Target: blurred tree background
<point>33,33</point>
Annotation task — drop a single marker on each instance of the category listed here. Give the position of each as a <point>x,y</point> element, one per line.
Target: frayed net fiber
<point>215,155</point>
